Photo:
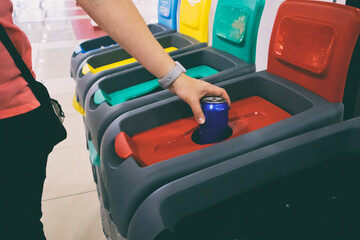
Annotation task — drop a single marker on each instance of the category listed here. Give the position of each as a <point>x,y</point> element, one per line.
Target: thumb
<point>197,111</point>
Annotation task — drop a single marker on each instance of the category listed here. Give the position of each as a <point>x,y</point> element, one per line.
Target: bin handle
<point>124,146</point>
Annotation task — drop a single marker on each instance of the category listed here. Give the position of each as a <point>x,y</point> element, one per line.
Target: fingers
<point>225,96</point>
<point>220,92</point>
<point>197,111</point>
<point>192,90</point>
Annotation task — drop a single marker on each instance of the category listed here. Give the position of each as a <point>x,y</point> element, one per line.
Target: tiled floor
<point>70,202</point>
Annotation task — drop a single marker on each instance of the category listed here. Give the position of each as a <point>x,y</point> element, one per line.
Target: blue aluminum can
<point>215,128</point>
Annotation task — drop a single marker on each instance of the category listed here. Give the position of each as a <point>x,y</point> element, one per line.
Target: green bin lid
<point>146,87</point>
<point>236,27</point>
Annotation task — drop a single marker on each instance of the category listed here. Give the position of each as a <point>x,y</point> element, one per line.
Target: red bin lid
<point>312,44</point>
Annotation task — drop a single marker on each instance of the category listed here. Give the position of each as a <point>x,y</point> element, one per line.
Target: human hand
<point>191,90</point>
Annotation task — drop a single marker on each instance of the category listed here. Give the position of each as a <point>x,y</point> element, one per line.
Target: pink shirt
<point>15,96</point>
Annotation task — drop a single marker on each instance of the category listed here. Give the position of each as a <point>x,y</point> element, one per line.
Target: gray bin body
<point>127,185</point>
<point>306,187</point>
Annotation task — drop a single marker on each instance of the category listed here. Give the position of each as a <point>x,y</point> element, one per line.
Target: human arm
<point>122,21</point>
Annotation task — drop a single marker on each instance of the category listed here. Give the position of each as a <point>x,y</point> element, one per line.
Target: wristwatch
<point>172,75</point>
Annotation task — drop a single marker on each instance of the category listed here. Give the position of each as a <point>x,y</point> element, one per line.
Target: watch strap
<point>174,74</point>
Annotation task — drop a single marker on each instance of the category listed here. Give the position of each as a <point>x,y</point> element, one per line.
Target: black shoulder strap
<point>25,72</point>
<point>39,90</point>
<point>36,87</point>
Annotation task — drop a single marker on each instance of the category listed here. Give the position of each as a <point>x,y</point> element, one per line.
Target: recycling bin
<point>103,64</point>
<point>306,187</point>
<point>146,148</point>
<point>167,17</point>
<point>118,93</point>
<point>105,44</point>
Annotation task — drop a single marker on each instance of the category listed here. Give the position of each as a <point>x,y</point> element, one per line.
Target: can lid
<point>213,99</point>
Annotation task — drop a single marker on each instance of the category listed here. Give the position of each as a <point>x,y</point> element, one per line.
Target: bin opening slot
<point>175,138</point>
<point>97,43</point>
<point>88,68</point>
<point>107,41</point>
<point>195,137</point>
<point>145,88</point>
<point>156,28</point>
